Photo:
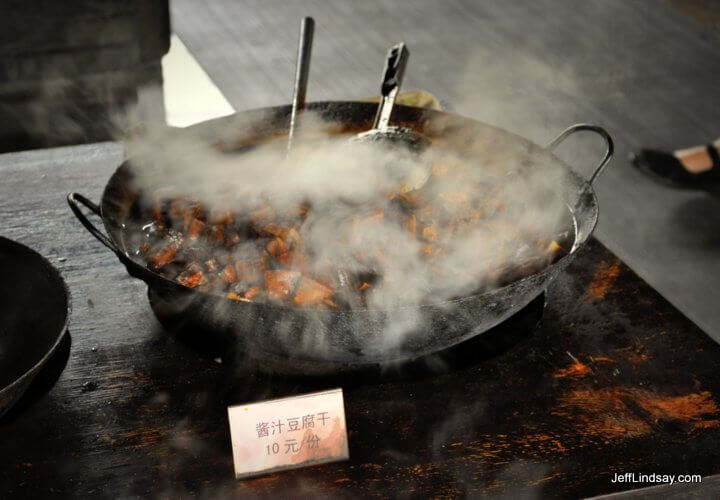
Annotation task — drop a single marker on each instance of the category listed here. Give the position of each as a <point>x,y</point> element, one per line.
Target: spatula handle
<point>302,72</point>
<point>393,73</point>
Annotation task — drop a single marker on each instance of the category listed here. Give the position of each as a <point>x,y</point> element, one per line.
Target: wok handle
<point>75,200</point>
<point>578,127</point>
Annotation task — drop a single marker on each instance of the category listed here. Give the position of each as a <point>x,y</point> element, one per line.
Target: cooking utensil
<point>34,314</point>
<point>329,340</point>
<point>302,72</point>
<point>381,131</point>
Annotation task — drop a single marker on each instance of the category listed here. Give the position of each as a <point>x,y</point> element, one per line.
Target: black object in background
<point>34,313</point>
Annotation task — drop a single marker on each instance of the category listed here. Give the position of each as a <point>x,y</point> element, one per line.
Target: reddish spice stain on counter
<point>601,414</point>
<point>688,407</point>
<point>547,478</point>
<point>420,469</point>
<point>637,357</point>
<point>144,437</point>
<point>494,449</point>
<point>575,370</point>
<point>260,480</point>
<point>604,279</point>
<point>617,414</point>
<point>707,424</point>
<point>547,443</point>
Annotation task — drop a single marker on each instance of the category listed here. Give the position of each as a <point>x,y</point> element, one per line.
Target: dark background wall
<point>65,66</point>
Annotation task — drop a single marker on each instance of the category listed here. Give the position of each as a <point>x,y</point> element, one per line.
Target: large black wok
<point>34,313</point>
<point>337,338</point>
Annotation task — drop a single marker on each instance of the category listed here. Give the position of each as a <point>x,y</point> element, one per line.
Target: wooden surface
<point>643,69</point>
<point>614,380</point>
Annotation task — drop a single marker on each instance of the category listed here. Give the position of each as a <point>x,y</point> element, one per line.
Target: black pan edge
<point>12,392</point>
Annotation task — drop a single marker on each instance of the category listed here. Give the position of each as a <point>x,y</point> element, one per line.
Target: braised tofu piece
<point>292,238</point>
<point>246,296</point>
<point>223,217</point>
<point>454,202</point>
<point>276,247</point>
<point>554,247</point>
<point>554,251</point>
<point>197,227</point>
<point>262,215</point>
<point>362,223</point>
<point>303,209</point>
<point>407,197</point>
<point>192,277</point>
<point>266,262</point>
<point>224,259</point>
<point>247,271</point>
<point>439,169</point>
<point>430,251</point>
<point>183,212</point>
<point>411,198</point>
<point>280,284</point>
<point>298,212</point>
<point>232,239</point>
<point>293,259</point>
<point>311,292</point>
<point>272,230</point>
<point>410,225</point>
<point>163,256</point>
<point>228,274</point>
<point>211,265</point>
<point>157,212</point>
<point>160,213</point>
<point>236,296</point>
<point>216,233</point>
<point>176,209</point>
<point>288,235</point>
<point>429,232</point>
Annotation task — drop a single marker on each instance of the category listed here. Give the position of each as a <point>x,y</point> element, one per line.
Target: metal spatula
<point>302,72</point>
<point>382,131</point>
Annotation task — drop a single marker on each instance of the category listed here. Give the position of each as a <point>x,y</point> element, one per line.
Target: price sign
<point>287,433</point>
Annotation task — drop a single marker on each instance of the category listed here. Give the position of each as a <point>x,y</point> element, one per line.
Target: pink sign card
<point>288,433</point>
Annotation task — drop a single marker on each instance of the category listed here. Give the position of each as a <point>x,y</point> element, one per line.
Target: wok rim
<point>586,189</point>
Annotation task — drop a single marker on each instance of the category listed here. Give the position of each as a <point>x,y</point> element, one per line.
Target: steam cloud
<point>513,202</point>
